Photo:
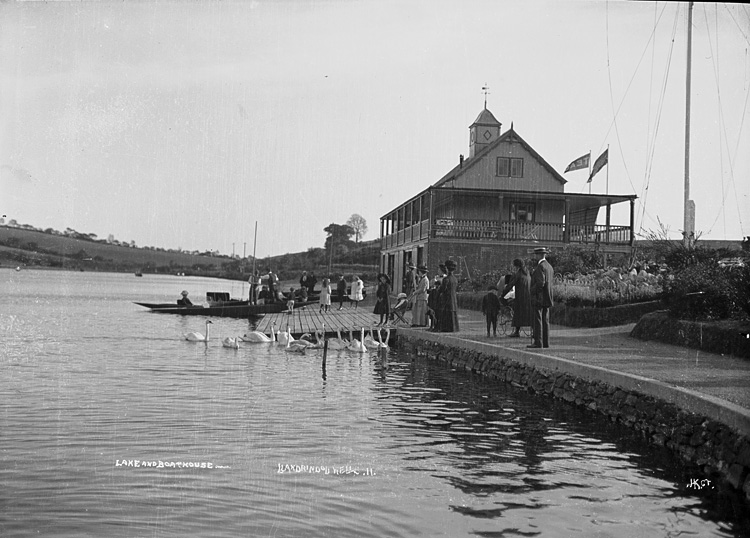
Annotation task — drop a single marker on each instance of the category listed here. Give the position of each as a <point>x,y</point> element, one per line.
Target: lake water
<point>255,442</point>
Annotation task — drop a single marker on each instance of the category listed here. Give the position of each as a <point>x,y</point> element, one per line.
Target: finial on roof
<point>511,126</point>
<point>486,90</point>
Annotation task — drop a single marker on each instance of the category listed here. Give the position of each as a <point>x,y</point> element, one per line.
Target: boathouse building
<point>496,205</point>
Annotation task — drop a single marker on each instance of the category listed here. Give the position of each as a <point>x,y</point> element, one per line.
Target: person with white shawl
<point>355,291</point>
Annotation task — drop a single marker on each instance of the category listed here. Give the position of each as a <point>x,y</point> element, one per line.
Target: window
<point>503,167</point>
<point>516,168</point>
<point>509,167</point>
<point>523,212</point>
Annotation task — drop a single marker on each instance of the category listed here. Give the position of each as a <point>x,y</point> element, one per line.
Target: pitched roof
<point>485,118</point>
<point>509,135</point>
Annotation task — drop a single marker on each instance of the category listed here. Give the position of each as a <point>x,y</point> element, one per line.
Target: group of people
<point>434,304</point>
<point>355,295</point>
<point>532,298</point>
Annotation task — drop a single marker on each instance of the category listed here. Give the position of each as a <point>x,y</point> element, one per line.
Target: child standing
<point>325,295</point>
<point>290,301</point>
<point>490,309</point>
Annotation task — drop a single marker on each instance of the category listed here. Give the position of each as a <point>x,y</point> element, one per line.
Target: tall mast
<point>689,206</point>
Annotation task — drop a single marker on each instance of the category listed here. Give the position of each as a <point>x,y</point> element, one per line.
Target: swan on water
<point>285,337</point>
<point>370,342</point>
<point>233,343</point>
<point>337,343</point>
<point>198,337</point>
<point>256,337</point>
<point>357,345</point>
<point>387,337</point>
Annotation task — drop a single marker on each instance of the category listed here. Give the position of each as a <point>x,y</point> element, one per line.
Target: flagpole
<point>589,171</point>
<point>607,192</point>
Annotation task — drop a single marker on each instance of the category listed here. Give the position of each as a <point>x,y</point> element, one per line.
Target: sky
<point>180,124</point>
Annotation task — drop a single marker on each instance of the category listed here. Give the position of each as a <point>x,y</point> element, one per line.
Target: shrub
<point>701,291</point>
<point>739,282</point>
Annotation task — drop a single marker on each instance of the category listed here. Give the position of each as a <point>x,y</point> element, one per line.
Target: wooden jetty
<point>309,320</point>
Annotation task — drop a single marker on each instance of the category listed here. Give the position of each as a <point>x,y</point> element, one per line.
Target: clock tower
<point>483,132</point>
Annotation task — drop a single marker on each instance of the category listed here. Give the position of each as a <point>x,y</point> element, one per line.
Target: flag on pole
<point>599,164</point>
<point>580,162</point>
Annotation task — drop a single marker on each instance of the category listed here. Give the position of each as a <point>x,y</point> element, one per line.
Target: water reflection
<point>90,379</point>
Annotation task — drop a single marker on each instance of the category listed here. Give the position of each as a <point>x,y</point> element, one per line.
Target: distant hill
<point>21,246</point>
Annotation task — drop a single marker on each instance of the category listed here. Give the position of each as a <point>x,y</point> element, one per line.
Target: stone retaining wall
<point>716,447</point>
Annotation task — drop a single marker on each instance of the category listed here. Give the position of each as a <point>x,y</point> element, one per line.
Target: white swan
<point>337,343</point>
<point>310,344</point>
<point>370,342</point>
<point>382,344</point>
<point>357,345</point>
<point>284,337</point>
<point>233,343</point>
<point>198,337</point>
<point>296,346</point>
<point>257,337</point>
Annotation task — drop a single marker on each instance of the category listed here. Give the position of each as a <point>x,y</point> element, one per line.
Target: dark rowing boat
<point>231,309</point>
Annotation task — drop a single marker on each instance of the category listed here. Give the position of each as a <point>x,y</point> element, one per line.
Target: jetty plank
<point>309,320</point>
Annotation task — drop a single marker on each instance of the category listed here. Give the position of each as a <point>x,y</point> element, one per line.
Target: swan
<point>310,344</point>
<point>382,344</point>
<point>357,345</point>
<point>284,337</point>
<point>258,337</point>
<point>296,346</point>
<point>370,342</point>
<point>234,343</point>
<point>337,343</point>
<point>198,337</point>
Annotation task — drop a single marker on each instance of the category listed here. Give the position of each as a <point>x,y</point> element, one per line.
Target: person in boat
<point>255,288</point>
<point>264,295</point>
<point>183,300</point>
<point>304,280</point>
<point>273,280</point>
<point>302,294</point>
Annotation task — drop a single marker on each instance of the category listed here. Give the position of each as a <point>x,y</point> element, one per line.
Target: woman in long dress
<point>522,311</point>
<point>383,303</point>
<point>448,302</point>
<point>419,313</point>
<point>325,295</point>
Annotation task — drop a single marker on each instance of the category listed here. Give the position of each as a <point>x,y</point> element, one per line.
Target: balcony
<point>493,231</point>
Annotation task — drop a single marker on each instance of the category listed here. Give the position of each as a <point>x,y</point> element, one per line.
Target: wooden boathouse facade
<point>496,205</point>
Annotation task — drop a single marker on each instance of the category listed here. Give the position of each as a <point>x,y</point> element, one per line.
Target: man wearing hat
<point>541,297</point>
<point>447,300</point>
<point>184,301</point>
<point>419,312</point>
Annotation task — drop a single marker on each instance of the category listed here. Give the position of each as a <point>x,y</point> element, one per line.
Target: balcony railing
<point>503,231</point>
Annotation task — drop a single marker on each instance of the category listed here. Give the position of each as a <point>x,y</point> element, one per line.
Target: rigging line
<point>735,22</point>
<point>630,83</point>
<point>650,159</point>
<point>614,118</point>
<point>723,140</point>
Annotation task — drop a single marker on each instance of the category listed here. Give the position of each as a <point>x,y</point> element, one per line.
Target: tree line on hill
<point>25,245</point>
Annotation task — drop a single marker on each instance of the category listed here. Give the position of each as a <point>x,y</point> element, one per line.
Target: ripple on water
<point>404,447</point>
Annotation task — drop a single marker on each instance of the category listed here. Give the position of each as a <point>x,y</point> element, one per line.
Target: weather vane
<point>486,90</point>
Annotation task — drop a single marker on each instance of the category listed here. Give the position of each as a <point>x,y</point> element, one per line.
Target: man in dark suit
<point>541,297</point>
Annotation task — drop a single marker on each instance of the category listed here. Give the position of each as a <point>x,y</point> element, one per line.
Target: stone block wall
<point>717,448</point>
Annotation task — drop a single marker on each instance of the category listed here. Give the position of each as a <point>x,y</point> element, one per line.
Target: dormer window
<point>509,167</point>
